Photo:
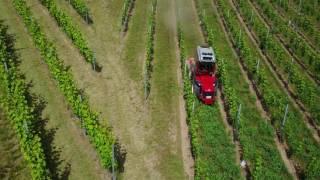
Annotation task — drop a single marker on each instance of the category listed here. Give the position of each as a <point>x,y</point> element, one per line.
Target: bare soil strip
<point>245,172</point>
<point>119,99</point>
<point>188,160</point>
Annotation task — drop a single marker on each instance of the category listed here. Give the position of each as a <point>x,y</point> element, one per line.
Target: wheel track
<point>245,172</point>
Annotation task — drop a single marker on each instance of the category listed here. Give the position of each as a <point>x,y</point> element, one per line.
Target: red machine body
<point>202,71</point>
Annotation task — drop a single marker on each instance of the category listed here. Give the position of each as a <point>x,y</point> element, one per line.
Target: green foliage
<point>261,154</point>
<point>72,31</point>
<point>305,53</point>
<point>127,6</point>
<point>301,144</point>
<point>14,101</point>
<point>302,22</point>
<point>213,160</point>
<point>305,89</point>
<point>310,8</point>
<point>81,7</point>
<point>101,137</point>
<point>150,47</point>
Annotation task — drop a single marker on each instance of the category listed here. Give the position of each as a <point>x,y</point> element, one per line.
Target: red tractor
<point>202,73</point>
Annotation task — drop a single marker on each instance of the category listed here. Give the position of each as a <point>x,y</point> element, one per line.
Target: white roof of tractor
<point>206,54</point>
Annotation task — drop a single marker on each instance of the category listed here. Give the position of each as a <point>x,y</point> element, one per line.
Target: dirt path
<point>67,143</point>
<point>306,117</point>
<point>188,160</point>
<point>115,95</point>
<point>229,129</point>
<point>220,101</point>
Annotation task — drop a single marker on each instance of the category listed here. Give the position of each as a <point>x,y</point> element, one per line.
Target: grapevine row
<point>72,31</point>
<point>295,44</point>
<point>206,131</point>
<point>14,100</point>
<point>82,9</point>
<point>126,10</point>
<point>310,8</point>
<point>302,148</point>
<point>267,163</point>
<point>305,90</point>
<point>150,47</point>
<point>101,137</point>
<point>304,23</point>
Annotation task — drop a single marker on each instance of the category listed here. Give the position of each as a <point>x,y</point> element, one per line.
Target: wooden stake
<point>113,161</point>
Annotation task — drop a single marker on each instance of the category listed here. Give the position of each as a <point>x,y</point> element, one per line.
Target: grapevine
<point>15,103</point>
<point>101,137</point>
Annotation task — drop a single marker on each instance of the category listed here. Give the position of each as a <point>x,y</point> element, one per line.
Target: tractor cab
<point>203,74</point>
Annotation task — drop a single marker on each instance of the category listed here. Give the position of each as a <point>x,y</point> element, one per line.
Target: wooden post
<point>251,16</point>
<point>257,67</point>
<point>5,66</point>
<point>87,17</point>
<point>240,33</point>
<point>145,84</point>
<point>193,106</point>
<point>238,116</point>
<point>285,116</point>
<point>283,122</point>
<point>113,160</point>
<point>25,126</point>
<point>237,122</point>
<point>300,6</point>
<point>80,96</point>
<point>289,73</point>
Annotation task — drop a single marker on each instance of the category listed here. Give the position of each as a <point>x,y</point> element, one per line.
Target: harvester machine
<point>202,72</point>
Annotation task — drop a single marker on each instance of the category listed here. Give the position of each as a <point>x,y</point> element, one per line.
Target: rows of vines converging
<point>150,48</point>
<point>14,102</point>
<point>306,7</point>
<point>302,147</point>
<point>101,137</point>
<point>72,31</point>
<point>305,53</point>
<point>305,90</point>
<point>204,129</point>
<point>302,23</point>
<point>249,123</point>
<point>81,8</point>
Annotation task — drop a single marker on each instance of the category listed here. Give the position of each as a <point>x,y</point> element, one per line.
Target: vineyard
<point>101,89</point>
